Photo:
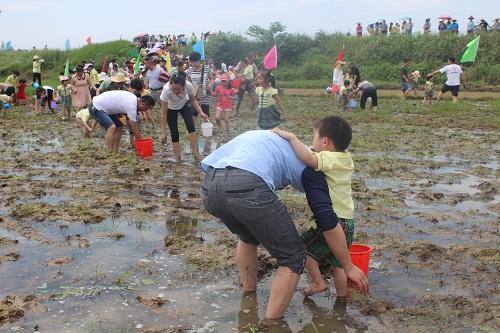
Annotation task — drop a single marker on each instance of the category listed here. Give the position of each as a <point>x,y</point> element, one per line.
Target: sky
<point>28,23</point>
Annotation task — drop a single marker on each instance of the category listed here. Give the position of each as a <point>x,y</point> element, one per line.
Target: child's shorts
<point>429,93</point>
<point>66,101</point>
<point>224,110</point>
<point>343,100</point>
<point>414,84</point>
<point>318,249</point>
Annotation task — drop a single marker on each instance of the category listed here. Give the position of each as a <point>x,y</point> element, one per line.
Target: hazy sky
<point>29,23</point>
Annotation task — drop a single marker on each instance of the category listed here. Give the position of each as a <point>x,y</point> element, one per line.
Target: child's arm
<point>300,149</point>
<point>280,106</point>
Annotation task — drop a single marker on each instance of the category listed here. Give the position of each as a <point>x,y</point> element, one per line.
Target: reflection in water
<point>325,321</point>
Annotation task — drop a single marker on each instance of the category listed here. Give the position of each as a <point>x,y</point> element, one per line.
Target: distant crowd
<point>446,25</point>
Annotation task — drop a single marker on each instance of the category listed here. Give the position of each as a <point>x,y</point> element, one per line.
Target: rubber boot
<point>193,140</point>
<point>176,147</point>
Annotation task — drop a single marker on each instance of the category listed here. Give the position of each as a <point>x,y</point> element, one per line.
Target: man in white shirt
<point>453,75</point>
<point>112,109</point>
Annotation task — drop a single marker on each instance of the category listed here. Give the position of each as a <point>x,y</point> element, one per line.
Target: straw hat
<point>35,57</point>
<point>119,77</point>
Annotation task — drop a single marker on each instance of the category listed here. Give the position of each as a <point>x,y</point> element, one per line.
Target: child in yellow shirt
<point>332,136</point>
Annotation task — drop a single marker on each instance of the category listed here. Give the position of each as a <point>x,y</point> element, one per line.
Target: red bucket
<point>360,256</point>
<point>144,148</point>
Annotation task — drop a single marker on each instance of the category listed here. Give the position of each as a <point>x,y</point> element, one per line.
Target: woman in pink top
<point>81,89</point>
<point>225,92</point>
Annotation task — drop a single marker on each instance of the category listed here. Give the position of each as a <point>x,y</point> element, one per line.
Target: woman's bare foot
<point>315,288</point>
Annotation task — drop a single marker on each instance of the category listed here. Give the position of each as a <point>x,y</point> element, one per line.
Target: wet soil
<point>96,242</point>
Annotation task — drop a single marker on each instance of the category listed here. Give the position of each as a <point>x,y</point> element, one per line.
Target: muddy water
<point>117,244</point>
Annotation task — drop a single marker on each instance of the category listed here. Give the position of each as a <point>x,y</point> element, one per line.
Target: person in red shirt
<point>225,92</point>
<point>21,97</point>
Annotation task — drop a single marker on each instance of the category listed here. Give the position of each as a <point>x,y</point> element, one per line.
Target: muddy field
<point>93,242</point>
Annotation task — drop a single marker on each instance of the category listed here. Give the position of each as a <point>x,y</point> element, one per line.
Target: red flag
<point>89,40</point>
<point>340,56</point>
<point>271,59</point>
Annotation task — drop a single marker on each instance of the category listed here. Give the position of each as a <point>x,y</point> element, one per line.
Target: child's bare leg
<point>318,284</point>
<point>217,119</point>
<point>226,121</point>
<point>340,281</point>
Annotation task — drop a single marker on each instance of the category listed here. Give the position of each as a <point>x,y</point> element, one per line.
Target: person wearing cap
<point>471,26</point>
<point>155,77</point>
<point>200,76</point>
<point>427,26</point>
<point>225,92</point>
<point>81,89</point>
<point>114,109</point>
<point>115,82</point>
<point>63,93</point>
<point>37,70</point>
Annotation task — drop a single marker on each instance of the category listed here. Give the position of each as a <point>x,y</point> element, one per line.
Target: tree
<point>263,34</point>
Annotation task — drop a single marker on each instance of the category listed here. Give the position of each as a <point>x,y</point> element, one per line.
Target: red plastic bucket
<point>144,148</point>
<point>360,256</point>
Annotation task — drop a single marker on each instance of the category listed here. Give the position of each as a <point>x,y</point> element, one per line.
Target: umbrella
<point>404,18</point>
<point>444,17</point>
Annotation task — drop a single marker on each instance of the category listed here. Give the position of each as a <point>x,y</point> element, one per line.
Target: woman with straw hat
<point>115,82</point>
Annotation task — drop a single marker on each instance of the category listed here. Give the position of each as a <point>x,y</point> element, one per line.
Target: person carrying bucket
<point>113,109</point>
<point>332,136</point>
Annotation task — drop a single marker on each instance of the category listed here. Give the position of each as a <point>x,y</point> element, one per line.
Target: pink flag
<point>89,40</point>
<point>271,59</point>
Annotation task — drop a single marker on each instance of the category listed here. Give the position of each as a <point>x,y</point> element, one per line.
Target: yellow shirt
<point>83,115</point>
<point>265,97</point>
<point>63,91</point>
<point>248,72</point>
<point>338,168</point>
<point>11,80</point>
<point>94,77</point>
<point>37,66</point>
<point>145,92</point>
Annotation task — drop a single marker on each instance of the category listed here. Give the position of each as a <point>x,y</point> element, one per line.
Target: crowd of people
<point>445,25</point>
<point>241,176</point>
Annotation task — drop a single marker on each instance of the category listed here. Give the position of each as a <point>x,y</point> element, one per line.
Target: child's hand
<point>284,134</point>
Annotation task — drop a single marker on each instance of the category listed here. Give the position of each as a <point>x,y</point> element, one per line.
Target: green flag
<point>137,66</point>
<point>66,68</point>
<point>133,53</point>
<point>471,52</point>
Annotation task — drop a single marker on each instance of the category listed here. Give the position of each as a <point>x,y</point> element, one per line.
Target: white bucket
<point>207,129</point>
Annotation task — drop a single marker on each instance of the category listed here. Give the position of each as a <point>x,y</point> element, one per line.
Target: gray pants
<point>251,210</point>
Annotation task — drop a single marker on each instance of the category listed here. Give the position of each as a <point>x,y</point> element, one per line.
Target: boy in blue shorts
<point>332,136</point>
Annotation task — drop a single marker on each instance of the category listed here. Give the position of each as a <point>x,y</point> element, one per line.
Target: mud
<point>101,242</point>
